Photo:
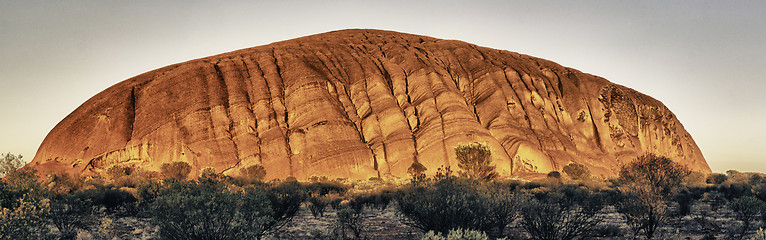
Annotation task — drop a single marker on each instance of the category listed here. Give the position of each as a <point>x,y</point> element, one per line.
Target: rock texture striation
<point>363,103</point>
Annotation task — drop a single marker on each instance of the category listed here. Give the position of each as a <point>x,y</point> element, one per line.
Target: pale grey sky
<point>706,60</point>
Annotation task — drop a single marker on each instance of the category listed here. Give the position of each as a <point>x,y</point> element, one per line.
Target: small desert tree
<point>476,161</point>
<point>70,213</point>
<point>23,206</point>
<point>642,210</point>
<point>661,175</point>
<point>176,170</point>
<point>747,209</point>
<point>577,171</point>
<point>646,185</point>
<point>9,163</point>
<point>416,169</point>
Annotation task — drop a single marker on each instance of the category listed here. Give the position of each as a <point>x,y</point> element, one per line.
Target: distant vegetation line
<point>472,202</point>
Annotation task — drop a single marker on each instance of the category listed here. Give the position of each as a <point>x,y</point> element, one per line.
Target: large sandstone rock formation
<point>362,103</point>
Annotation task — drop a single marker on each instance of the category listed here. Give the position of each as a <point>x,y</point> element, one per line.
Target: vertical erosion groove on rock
<point>363,103</point>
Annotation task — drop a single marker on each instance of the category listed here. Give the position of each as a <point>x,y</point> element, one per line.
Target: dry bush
<point>317,204</point>
<point>643,210</point>
<point>747,209</point>
<point>348,223</point>
<point>416,169</point>
<point>476,161</point>
<point>70,214</point>
<point>191,210</point>
<point>63,183</point>
<point>285,200</point>
<point>567,212</point>
<point>661,175</point>
<point>23,206</point>
<point>577,171</point>
<point>25,218</point>
<point>451,203</point>
<point>695,179</point>
<point>9,163</point>
<point>176,170</point>
<point>646,184</point>
<point>716,178</point>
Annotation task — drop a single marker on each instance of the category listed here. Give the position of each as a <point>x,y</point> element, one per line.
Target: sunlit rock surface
<point>364,103</point>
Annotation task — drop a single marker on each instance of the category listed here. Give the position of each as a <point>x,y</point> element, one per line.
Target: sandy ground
<point>386,224</point>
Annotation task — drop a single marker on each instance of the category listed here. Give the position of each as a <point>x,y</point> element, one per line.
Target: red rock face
<point>363,103</point>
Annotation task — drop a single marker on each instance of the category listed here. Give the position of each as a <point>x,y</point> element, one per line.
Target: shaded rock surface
<point>363,103</point>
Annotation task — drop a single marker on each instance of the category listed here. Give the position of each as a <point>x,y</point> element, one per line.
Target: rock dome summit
<point>364,103</point>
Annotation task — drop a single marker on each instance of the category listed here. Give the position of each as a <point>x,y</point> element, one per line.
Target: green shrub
<point>452,203</point>
<point>315,178</point>
<point>531,185</point>
<point>716,178</point>
<point>348,223</point>
<point>695,179</point>
<point>176,170</point>
<point>25,179</point>
<point>9,163</point>
<point>192,210</point>
<point>565,213</point>
<point>734,189</point>
<point>756,178</point>
<point>661,175</point>
<point>118,171</point>
<point>25,220</point>
<point>747,209</point>
<point>685,200</point>
<point>63,183</point>
<point>70,213</point>
<point>317,204</point>
<point>114,200</point>
<point>476,161</point>
<point>577,171</point>
<point>642,210</point>
<point>24,206</point>
<point>285,200</point>
<point>377,200</point>
<point>554,175</point>
<point>416,169</point>
<point>323,188</point>
<point>126,176</point>
<point>646,184</point>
